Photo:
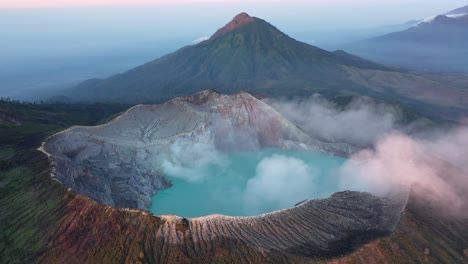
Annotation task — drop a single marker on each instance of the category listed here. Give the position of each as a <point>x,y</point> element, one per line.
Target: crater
<point>128,161</point>
<point>132,162</point>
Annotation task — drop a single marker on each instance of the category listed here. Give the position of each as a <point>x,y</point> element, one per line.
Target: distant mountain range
<point>459,11</point>
<point>252,55</point>
<point>435,44</point>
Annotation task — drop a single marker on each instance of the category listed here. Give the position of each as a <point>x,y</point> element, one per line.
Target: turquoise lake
<point>250,183</point>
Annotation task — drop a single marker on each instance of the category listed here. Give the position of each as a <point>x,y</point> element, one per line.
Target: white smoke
<point>280,181</point>
<point>435,168</point>
<point>189,157</point>
<point>232,137</point>
<point>361,123</point>
<point>433,164</point>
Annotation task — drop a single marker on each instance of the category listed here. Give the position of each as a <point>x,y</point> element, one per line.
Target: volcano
<point>246,54</point>
<point>118,164</point>
<point>249,54</point>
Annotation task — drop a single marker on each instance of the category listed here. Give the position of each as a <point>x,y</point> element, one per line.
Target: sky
<point>69,38</point>
<point>207,15</point>
<point>202,17</point>
<point>94,3</point>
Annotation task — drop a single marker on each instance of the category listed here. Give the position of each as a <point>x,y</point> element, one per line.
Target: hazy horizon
<point>365,13</point>
<point>56,45</point>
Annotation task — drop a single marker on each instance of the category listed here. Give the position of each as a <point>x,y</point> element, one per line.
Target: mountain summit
<point>238,21</point>
<point>249,54</point>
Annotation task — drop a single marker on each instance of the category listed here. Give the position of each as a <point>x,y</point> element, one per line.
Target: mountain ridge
<point>458,11</point>
<point>250,54</point>
<point>435,44</point>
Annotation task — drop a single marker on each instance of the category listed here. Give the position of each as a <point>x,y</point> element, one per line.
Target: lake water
<point>250,183</point>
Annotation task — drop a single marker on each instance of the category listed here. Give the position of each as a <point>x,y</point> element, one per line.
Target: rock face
<point>315,230</point>
<point>119,163</point>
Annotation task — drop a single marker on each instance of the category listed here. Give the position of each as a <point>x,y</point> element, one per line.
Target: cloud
<point>360,123</point>
<point>230,136</point>
<point>434,163</point>
<point>200,39</point>
<point>191,174</point>
<point>189,157</point>
<point>435,168</point>
<point>280,181</point>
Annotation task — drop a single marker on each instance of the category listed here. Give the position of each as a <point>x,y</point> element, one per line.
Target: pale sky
<point>94,3</point>
<point>90,24</point>
<point>207,15</point>
<point>51,42</point>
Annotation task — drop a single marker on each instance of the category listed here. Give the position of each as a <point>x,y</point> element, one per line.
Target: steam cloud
<point>360,123</point>
<point>188,159</point>
<point>280,181</point>
<point>435,168</point>
<point>434,164</point>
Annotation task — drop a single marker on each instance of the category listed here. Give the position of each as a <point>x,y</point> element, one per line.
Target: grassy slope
<point>30,202</point>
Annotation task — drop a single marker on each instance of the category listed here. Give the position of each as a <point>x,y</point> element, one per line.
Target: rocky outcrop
<point>119,163</point>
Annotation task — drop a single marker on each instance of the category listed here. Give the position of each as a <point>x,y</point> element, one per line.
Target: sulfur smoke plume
<point>435,167</point>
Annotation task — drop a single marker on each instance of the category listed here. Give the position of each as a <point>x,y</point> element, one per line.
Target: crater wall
<point>119,163</point>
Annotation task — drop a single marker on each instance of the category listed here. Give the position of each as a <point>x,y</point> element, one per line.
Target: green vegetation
<point>29,198</point>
